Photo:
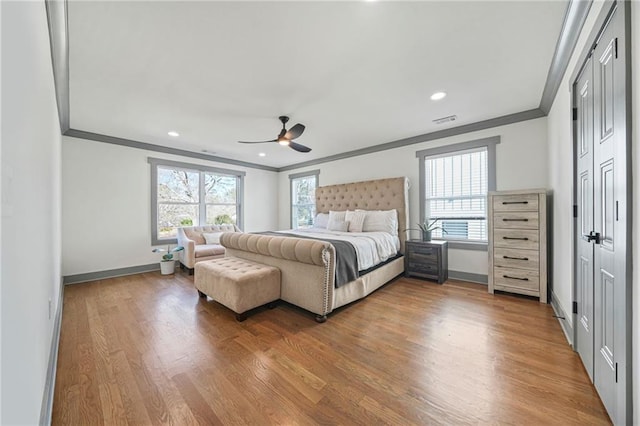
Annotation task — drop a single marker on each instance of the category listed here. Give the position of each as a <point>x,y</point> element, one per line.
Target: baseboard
<point>111,273</point>
<point>46,411</point>
<point>563,319</point>
<point>469,276</point>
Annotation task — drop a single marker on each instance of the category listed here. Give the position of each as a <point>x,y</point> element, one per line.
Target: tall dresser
<point>518,242</point>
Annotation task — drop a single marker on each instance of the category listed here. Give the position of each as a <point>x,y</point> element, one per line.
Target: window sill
<point>466,245</point>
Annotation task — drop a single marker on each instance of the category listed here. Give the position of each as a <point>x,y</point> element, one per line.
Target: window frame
<point>202,204</point>
<point>447,150</point>
<point>294,176</point>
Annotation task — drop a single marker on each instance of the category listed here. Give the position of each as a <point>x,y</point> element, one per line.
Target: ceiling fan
<point>286,137</point>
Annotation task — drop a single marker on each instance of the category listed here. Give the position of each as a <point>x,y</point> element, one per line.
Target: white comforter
<point>372,248</point>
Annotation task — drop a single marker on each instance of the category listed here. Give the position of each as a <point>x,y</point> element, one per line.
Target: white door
<point>584,186</point>
<point>602,153</point>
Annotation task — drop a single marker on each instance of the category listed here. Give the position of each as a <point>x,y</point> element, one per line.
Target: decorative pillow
<point>338,225</point>
<point>212,237</point>
<point>337,216</point>
<point>195,236</point>
<point>381,221</point>
<point>321,220</point>
<point>356,220</point>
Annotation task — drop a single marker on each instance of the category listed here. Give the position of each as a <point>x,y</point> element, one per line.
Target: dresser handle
<point>515,220</point>
<point>504,203</point>
<point>515,238</point>
<point>515,278</point>
<point>515,258</point>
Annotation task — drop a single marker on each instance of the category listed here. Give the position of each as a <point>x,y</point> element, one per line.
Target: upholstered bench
<point>238,284</point>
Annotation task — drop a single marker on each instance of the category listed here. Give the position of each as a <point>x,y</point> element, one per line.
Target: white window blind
<point>456,194</point>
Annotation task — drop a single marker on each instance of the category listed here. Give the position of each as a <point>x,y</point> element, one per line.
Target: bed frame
<point>308,266</point>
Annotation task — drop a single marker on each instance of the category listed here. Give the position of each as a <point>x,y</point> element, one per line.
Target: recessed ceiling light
<point>438,95</point>
<point>173,133</point>
<point>262,154</point>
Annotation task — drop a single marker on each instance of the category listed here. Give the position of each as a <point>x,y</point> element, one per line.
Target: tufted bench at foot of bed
<point>238,284</point>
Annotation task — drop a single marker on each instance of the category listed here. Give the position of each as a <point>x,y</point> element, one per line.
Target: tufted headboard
<point>380,194</point>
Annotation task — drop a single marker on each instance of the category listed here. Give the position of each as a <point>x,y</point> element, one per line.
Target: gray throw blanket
<point>346,258</point>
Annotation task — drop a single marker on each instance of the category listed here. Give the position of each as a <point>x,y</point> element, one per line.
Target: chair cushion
<point>195,236</point>
<point>205,250</point>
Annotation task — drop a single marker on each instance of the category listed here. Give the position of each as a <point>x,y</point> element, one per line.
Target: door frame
<point>624,8</point>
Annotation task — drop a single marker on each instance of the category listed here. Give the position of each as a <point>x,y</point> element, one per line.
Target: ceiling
<point>356,74</point>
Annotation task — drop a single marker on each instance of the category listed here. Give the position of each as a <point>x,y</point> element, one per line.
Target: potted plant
<point>168,263</point>
<point>426,228</point>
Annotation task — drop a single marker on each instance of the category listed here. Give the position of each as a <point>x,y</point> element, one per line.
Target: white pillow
<point>337,216</point>
<point>321,220</point>
<point>212,237</point>
<point>356,220</point>
<point>338,225</point>
<point>381,221</point>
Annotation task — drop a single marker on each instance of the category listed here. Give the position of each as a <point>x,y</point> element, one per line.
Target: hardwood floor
<point>145,349</point>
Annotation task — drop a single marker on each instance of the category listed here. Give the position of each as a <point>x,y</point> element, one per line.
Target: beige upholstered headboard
<point>380,194</point>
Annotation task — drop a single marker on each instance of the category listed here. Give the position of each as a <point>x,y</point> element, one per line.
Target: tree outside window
<point>303,199</point>
<point>188,195</point>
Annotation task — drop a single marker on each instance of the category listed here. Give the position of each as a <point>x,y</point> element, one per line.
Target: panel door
<point>584,185</point>
<point>609,255</point>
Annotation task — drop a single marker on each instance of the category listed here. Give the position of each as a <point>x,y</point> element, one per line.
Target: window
<point>454,181</point>
<point>303,198</point>
<point>189,194</point>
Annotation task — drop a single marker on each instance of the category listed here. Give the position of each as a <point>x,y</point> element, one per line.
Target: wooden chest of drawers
<point>518,242</point>
<point>427,259</point>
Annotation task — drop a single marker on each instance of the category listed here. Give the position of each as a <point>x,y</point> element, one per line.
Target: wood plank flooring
<point>145,349</point>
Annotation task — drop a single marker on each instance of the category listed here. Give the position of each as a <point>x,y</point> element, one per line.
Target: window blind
<point>456,194</point>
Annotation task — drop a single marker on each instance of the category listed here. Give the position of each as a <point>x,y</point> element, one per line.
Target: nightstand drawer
<point>516,238</point>
<point>422,250</point>
<point>515,220</point>
<point>516,258</point>
<point>424,268</point>
<point>512,203</point>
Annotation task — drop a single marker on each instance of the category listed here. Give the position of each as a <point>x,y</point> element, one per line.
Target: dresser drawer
<point>515,220</point>
<point>516,258</point>
<point>516,238</point>
<point>516,278</point>
<point>512,203</point>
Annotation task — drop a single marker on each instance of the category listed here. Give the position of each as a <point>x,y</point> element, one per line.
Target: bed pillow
<point>356,220</point>
<point>338,225</point>
<point>321,220</point>
<point>381,221</point>
<point>212,237</point>
<point>337,216</point>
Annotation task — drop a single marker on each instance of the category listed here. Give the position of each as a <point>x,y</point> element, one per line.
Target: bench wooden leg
<point>321,318</point>
<point>241,317</point>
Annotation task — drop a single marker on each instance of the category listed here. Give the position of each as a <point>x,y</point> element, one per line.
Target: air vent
<point>445,119</point>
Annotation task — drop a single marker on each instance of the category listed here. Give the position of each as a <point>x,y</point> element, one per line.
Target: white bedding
<point>372,248</point>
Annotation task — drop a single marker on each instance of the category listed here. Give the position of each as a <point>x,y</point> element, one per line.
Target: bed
<point>308,265</point>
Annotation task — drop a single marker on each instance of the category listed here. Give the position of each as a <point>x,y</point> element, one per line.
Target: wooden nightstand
<point>427,259</point>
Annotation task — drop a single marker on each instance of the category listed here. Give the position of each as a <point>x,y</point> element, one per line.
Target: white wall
<point>521,163</point>
<point>30,209</point>
<point>106,213</point>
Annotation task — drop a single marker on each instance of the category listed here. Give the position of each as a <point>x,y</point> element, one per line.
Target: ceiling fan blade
<point>274,140</point>
<point>298,147</point>
<point>294,132</point>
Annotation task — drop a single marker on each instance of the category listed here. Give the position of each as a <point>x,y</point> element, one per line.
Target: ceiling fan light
<point>283,142</point>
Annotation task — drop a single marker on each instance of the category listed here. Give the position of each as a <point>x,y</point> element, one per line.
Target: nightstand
<point>426,259</point>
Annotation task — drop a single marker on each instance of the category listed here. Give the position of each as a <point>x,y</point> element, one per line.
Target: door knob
<point>593,236</point>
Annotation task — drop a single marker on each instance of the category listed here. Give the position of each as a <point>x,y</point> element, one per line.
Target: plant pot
<point>426,235</point>
<point>167,267</point>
